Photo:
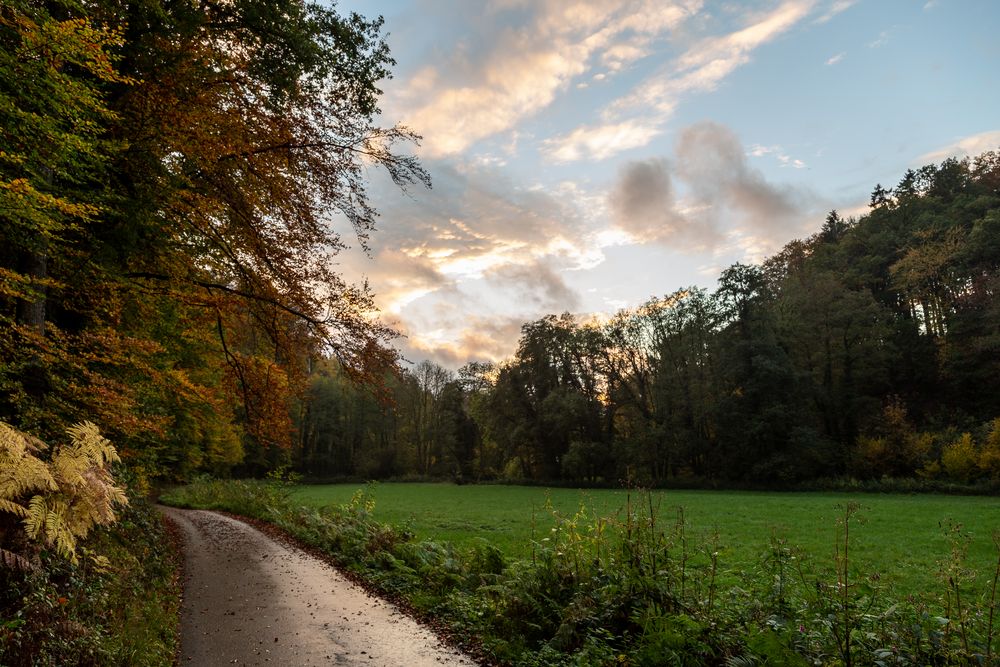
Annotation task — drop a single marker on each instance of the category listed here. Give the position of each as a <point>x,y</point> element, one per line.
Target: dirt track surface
<point>249,600</point>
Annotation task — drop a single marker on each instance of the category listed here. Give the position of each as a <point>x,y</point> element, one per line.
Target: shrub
<point>960,459</point>
<point>989,456</point>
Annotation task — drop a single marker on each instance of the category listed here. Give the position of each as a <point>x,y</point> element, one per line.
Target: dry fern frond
<point>21,472</point>
<point>34,523</point>
<point>89,442</point>
<point>11,507</point>
<point>68,495</point>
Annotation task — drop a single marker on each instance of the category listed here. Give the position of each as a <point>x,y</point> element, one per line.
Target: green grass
<point>902,537</point>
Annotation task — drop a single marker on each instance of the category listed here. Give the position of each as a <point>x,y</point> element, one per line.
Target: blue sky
<point>588,155</point>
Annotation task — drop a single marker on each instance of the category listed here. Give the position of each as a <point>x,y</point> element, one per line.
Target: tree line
<point>868,350</point>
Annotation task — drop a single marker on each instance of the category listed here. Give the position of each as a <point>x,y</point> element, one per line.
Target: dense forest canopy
<point>171,174</point>
<point>870,350</point>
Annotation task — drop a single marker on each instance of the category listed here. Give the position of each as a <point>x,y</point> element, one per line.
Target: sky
<point>587,155</point>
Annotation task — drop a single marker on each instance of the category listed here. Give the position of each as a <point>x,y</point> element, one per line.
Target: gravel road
<point>250,600</point>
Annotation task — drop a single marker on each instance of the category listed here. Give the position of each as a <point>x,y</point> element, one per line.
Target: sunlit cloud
<point>440,252</point>
<point>970,146</point>
<point>602,141</point>
<point>779,154</point>
<point>836,7</point>
<point>457,103</point>
<point>833,60</point>
<point>491,338</point>
<point>637,118</point>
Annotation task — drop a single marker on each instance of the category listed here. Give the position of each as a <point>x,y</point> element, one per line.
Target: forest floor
<point>249,599</point>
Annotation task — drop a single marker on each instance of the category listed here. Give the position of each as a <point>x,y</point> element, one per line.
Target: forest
<point>170,207</point>
<point>869,350</point>
<point>175,181</point>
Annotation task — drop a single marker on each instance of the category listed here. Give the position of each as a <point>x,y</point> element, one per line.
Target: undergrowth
<point>640,587</point>
<point>118,605</point>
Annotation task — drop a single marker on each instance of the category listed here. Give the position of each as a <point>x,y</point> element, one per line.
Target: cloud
<point>833,60</point>
<point>476,248</point>
<point>650,104</point>
<point>537,283</point>
<point>880,41</point>
<point>723,196</point>
<point>715,57</point>
<point>970,146</point>
<point>400,279</point>
<point>644,206</point>
<point>783,158</point>
<point>601,141</point>
<point>836,7</point>
<point>528,63</point>
<point>492,338</point>
<point>713,164</point>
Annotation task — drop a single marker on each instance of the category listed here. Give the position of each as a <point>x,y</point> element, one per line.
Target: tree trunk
<point>31,311</point>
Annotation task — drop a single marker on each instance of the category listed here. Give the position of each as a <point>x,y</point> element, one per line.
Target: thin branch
<point>232,290</point>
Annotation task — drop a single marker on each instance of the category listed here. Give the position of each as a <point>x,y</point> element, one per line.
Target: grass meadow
<point>905,539</point>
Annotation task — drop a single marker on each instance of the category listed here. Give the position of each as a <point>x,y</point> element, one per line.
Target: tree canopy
<point>172,181</point>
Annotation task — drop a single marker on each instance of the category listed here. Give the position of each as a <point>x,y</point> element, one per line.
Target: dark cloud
<point>721,192</point>
<point>537,283</point>
<point>643,204</point>
<point>713,163</point>
<point>644,193</point>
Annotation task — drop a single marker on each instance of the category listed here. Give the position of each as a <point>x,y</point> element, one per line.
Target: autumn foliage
<point>171,180</point>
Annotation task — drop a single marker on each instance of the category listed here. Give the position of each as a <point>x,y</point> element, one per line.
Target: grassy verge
<point>639,587</point>
<point>120,612</point>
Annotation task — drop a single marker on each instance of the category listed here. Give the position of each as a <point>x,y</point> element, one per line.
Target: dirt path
<point>249,600</point>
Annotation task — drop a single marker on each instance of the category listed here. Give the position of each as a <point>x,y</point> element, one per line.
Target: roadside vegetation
<point>901,536</point>
<point>88,574</point>
<point>643,584</point>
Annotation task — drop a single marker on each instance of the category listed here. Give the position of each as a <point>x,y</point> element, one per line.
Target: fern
<point>21,471</point>
<point>11,507</point>
<point>69,495</point>
<point>34,522</point>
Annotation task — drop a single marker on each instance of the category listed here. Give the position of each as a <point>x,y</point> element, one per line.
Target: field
<point>904,538</point>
